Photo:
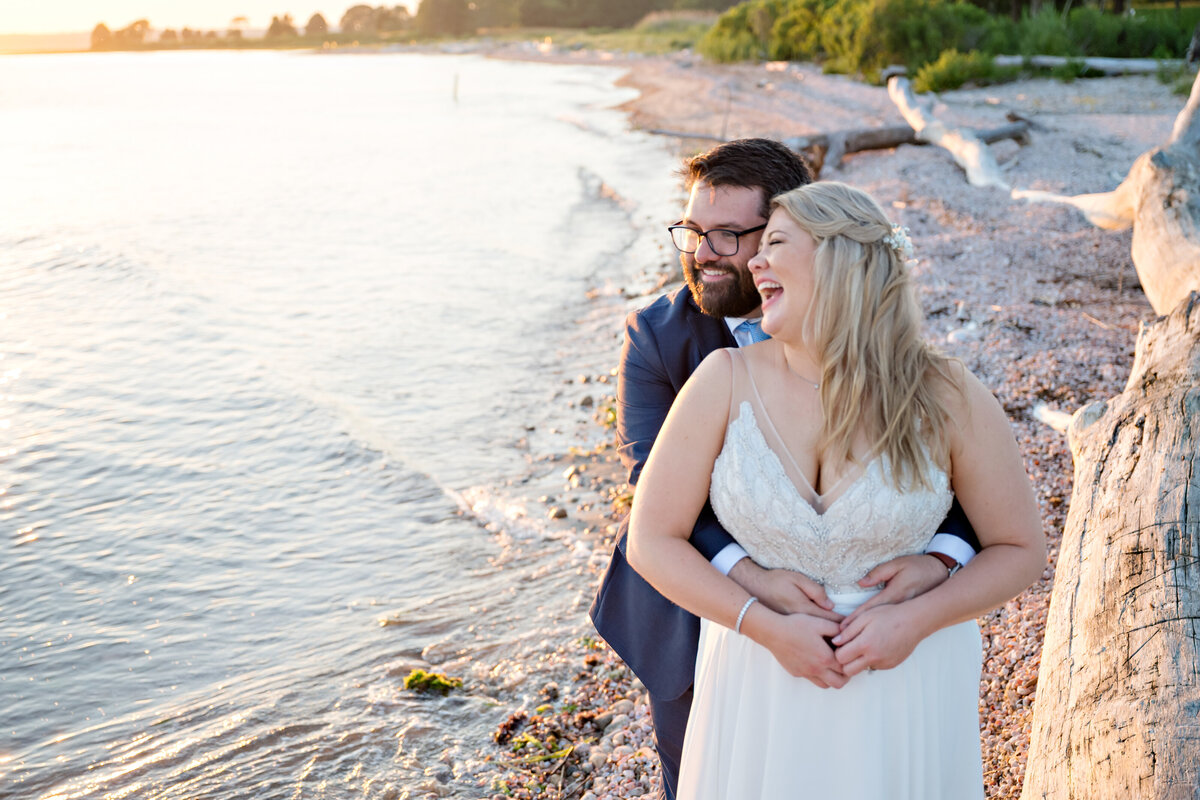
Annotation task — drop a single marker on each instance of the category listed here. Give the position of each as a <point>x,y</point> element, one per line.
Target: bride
<point>830,448</point>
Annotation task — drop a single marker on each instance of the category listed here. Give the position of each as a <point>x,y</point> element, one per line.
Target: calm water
<point>265,320</point>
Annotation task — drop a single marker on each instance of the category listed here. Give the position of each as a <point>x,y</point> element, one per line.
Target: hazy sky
<point>64,16</point>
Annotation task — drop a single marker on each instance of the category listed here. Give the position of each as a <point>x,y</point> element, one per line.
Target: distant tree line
<point>433,18</point>
<point>358,21</point>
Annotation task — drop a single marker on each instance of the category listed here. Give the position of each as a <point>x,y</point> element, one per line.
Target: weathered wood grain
<point>1117,714</point>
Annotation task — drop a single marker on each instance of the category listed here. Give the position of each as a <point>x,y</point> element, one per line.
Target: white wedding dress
<point>758,733</point>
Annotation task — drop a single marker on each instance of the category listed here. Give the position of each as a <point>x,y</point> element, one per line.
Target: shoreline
<point>1037,303</point>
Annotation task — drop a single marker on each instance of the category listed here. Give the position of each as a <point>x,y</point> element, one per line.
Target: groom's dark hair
<point>753,163</point>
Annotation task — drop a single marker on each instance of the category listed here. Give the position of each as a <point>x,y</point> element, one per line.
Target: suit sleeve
<point>958,526</point>
<point>645,393</point>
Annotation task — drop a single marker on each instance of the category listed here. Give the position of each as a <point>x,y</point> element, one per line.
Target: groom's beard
<point>727,298</point>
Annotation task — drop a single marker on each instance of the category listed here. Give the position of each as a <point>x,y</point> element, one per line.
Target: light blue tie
<point>753,329</point>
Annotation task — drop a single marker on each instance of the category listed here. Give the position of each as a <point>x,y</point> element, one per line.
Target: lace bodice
<point>868,523</point>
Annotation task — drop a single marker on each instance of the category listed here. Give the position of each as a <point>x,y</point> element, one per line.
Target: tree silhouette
<point>392,19</point>
<point>169,36</point>
<point>317,26</point>
<point>443,16</point>
<point>102,38</point>
<point>131,35</point>
<point>282,27</point>
<point>358,19</point>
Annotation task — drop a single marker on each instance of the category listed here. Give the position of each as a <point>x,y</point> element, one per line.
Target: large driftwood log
<point>1109,66</point>
<point>1117,714</point>
<point>968,151</point>
<point>828,149</point>
<point>1160,197</point>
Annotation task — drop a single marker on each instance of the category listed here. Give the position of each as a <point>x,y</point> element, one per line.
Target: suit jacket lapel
<point>708,334</point>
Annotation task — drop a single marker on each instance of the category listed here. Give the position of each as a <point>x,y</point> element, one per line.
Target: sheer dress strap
<point>766,426</point>
<point>737,388</point>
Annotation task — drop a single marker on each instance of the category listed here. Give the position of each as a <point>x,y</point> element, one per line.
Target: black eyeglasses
<point>721,241</point>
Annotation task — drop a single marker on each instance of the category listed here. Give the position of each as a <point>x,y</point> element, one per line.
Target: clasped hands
<point>810,640</point>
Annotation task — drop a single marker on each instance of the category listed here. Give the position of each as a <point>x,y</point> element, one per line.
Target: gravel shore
<point>1037,303</point>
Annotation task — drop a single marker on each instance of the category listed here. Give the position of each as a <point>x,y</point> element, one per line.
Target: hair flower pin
<point>900,241</point>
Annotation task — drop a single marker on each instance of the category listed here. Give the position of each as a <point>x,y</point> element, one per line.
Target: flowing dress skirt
<point>758,733</point>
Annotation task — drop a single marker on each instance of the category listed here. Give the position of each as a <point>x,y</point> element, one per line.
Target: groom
<point>730,188</point>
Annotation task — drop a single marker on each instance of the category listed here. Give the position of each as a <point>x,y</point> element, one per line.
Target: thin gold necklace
<point>787,364</point>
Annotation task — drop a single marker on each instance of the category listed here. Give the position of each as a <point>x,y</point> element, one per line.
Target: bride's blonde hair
<point>864,325</point>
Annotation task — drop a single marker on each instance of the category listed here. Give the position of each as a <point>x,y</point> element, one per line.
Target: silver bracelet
<point>737,627</point>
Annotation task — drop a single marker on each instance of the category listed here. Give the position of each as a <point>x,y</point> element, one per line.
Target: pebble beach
<point>1039,304</point>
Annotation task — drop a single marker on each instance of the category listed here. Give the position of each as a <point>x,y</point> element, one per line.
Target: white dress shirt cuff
<point>943,543</point>
<point>731,554</point>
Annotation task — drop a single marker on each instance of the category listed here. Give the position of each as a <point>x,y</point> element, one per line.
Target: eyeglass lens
<point>721,242</point>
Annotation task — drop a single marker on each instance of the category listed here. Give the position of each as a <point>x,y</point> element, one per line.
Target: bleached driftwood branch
<point>968,150</point>
<point>1105,210</point>
<point>1058,420</point>
<point>1160,198</point>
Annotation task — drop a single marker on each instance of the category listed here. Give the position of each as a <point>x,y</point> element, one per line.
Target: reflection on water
<point>265,316</point>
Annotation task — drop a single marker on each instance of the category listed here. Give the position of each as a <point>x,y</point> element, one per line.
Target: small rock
<point>557,513</point>
<point>619,722</point>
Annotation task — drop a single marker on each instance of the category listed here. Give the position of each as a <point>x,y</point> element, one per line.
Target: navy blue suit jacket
<point>664,343</point>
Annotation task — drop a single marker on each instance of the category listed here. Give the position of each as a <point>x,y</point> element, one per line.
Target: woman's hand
<point>879,638</point>
<point>799,643</point>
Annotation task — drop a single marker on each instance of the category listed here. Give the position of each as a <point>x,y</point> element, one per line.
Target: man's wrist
<point>744,573</point>
<point>951,545</point>
<point>946,561</point>
<point>730,556</point>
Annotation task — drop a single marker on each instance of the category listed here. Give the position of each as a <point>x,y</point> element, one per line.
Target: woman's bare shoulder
<point>712,379</point>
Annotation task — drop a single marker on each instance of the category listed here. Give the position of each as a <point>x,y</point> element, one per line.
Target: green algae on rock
<point>421,681</point>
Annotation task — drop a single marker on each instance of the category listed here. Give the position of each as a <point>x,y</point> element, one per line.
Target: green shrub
<point>953,69</point>
<point>867,35</point>
<point>1091,32</point>
<point>742,32</point>
<point>1098,34</point>
<point>1069,71</point>
<point>796,35</point>
<point>1045,34</point>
